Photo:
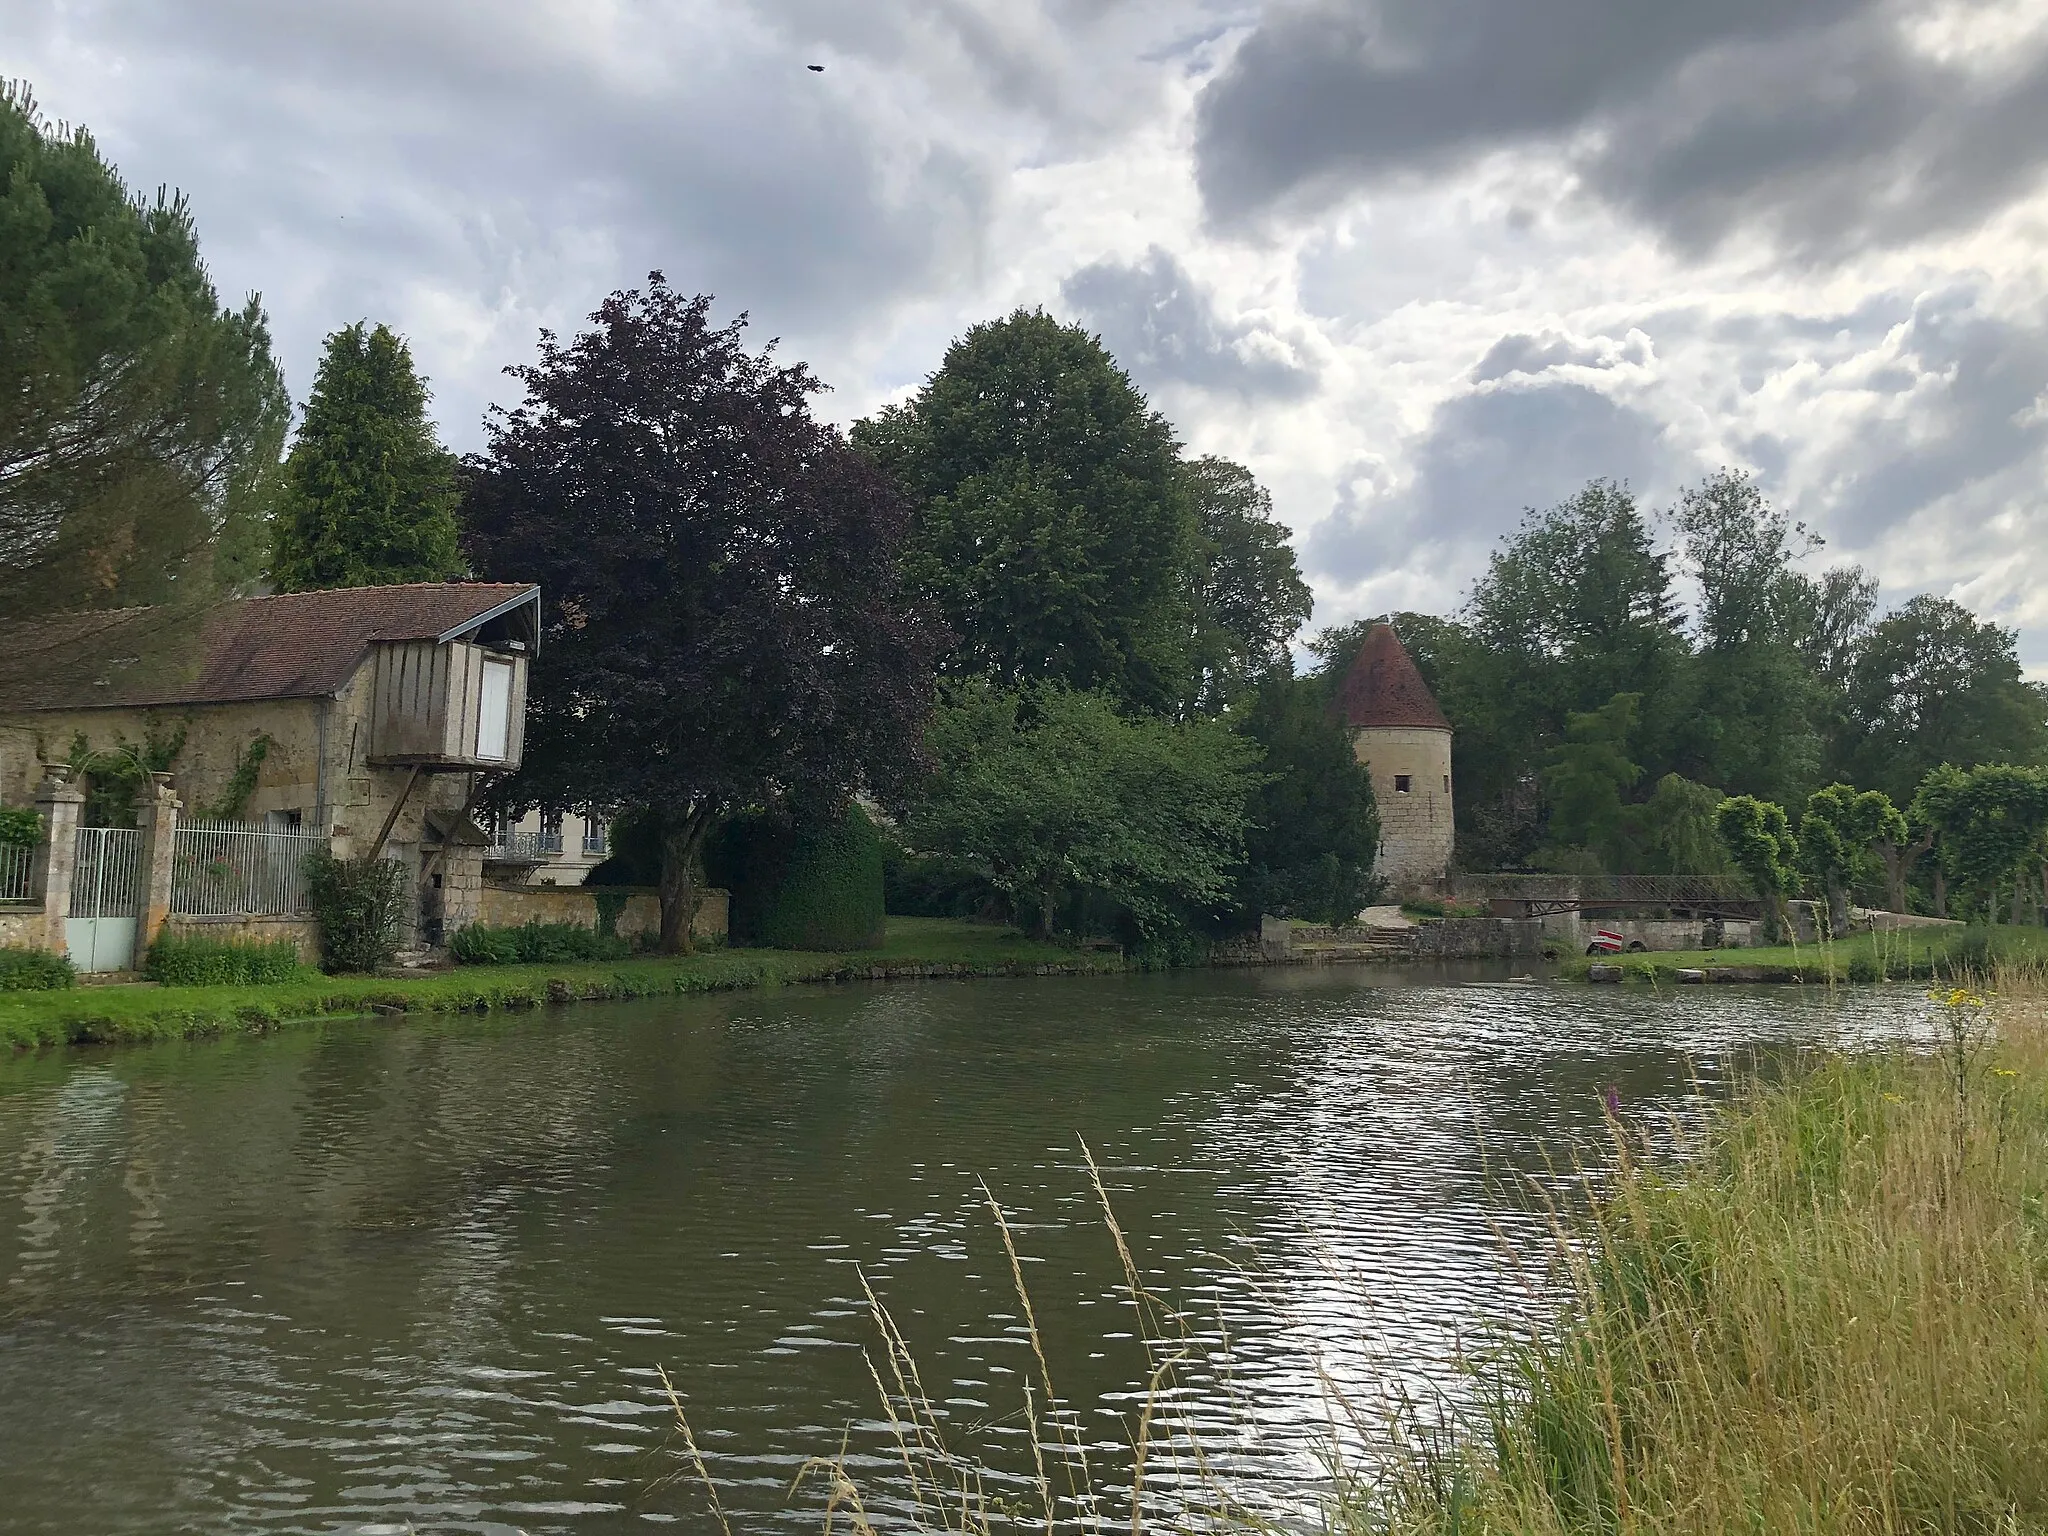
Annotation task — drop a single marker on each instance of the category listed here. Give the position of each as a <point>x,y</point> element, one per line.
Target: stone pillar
<point>59,805</point>
<point>157,817</point>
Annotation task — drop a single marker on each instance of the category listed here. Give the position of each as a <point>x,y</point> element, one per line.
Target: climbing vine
<point>113,779</point>
<point>234,795</point>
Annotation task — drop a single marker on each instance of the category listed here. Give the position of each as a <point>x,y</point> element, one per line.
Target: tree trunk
<point>1940,891</point>
<point>680,843</point>
<point>2019,897</point>
<point>1046,899</point>
<point>1838,910</point>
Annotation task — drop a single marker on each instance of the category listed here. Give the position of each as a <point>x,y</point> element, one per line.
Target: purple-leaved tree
<point>724,620</point>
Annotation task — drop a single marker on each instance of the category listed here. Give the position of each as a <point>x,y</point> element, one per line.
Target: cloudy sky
<point>1420,263</point>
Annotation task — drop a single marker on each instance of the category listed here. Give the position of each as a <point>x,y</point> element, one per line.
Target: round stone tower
<point>1404,740</point>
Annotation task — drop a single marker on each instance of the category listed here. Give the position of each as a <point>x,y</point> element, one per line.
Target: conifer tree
<point>140,420</point>
<point>370,493</point>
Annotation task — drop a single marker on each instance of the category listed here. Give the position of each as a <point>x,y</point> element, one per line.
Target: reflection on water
<point>370,1277</point>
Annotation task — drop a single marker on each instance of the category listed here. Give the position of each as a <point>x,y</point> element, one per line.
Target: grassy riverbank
<point>1912,954</point>
<point>914,946</point>
<point>1833,1319</point>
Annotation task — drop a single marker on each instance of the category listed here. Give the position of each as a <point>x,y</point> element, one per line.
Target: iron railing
<point>227,869</point>
<point>595,836</point>
<point>17,867</point>
<point>106,873</point>
<point>509,847</point>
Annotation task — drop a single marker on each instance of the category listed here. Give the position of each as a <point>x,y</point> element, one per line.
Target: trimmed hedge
<point>534,943</point>
<point>814,885</point>
<point>196,961</point>
<point>34,970</point>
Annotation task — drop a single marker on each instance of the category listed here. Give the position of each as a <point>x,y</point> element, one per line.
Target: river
<point>378,1276</point>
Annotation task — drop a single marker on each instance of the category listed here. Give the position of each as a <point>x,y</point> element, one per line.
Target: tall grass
<point>1831,1316</point>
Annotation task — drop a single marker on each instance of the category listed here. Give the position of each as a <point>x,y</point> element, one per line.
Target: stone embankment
<point>1283,941</point>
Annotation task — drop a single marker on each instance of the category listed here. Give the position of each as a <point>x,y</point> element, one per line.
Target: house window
<point>593,835</point>
<point>494,713</point>
<point>282,821</point>
<point>551,832</point>
<point>1402,784</point>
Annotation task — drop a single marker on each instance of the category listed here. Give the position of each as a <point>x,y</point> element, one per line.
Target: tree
<point>1314,828</point>
<point>1677,826</point>
<point>1587,774</point>
<point>1757,730</point>
<point>725,617</point>
<point>369,492</point>
<point>1996,817</point>
<point>1837,833</point>
<point>1760,841</point>
<point>140,421</point>
<point>1248,597</point>
<point>1932,684</point>
<point>1055,523</point>
<point>1931,818</point>
<point>1055,797</point>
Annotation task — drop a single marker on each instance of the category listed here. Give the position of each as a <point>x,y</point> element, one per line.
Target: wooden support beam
<point>397,805</point>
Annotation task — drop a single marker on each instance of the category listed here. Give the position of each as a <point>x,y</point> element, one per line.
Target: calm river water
<point>423,1276</point>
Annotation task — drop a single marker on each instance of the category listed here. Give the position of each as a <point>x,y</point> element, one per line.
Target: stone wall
<point>1417,829</point>
<point>508,906</point>
<point>1282,942</point>
<point>1479,938</point>
<point>303,932</point>
<point>21,927</point>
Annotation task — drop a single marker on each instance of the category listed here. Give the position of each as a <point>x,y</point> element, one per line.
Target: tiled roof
<point>291,646</point>
<point>1383,687</point>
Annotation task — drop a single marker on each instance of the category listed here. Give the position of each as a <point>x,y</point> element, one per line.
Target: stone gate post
<point>58,802</point>
<point>157,817</point>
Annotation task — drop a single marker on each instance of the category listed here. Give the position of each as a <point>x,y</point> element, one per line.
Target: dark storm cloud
<point>1488,456</point>
<point>1164,329</point>
<point>1814,120</point>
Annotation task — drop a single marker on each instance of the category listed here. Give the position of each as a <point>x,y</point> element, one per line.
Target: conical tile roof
<point>1383,688</point>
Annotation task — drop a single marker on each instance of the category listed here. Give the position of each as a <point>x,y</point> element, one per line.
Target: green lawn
<point>83,1015</point>
<point>1911,954</point>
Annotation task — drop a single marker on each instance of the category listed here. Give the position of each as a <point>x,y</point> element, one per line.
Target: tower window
<point>1447,783</point>
<point>1402,784</point>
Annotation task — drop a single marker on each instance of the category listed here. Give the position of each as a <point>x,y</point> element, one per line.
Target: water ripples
<point>428,1277</point>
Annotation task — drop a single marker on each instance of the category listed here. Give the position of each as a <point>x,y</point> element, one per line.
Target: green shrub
<point>34,970</point>
<point>359,903</point>
<point>800,883</point>
<point>19,827</point>
<point>197,961</point>
<point>534,943</point>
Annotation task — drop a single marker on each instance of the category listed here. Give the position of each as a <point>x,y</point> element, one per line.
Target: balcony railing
<point>521,848</point>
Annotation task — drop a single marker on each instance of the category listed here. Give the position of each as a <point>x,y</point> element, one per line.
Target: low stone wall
<point>509,906</point>
<point>21,927</point>
<point>1479,938</point>
<point>1282,942</point>
<point>303,932</point>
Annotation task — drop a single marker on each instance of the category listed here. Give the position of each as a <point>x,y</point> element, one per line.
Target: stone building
<point>1403,739</point>
<point>382,712</point>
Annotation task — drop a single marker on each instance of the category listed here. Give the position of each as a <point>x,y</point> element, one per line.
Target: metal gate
<point>106,897</point>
